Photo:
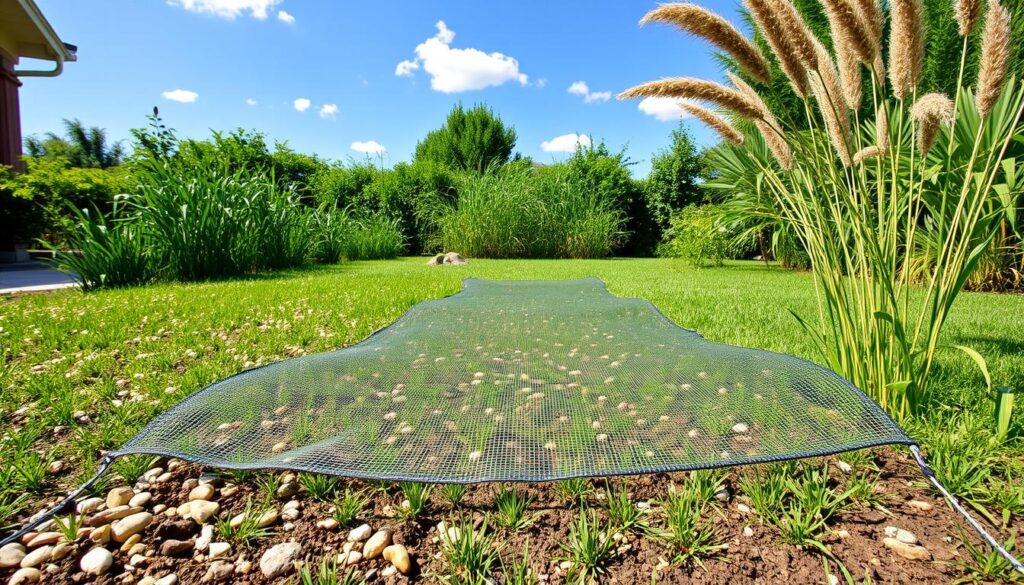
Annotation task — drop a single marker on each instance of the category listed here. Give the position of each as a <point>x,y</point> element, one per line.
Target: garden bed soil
<point>759,556</point>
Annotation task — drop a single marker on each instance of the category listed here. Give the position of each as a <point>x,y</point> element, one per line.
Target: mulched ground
<point>760,558</point>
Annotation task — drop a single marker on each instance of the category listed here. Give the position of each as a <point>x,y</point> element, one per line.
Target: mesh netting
<point>521,381</point>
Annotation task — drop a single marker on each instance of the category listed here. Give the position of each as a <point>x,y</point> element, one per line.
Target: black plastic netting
<point>521,381</point>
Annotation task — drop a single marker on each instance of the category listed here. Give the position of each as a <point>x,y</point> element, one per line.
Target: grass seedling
<point>69,525</point>
<point>800,526</point>
<point>470,553</point>
<point>9,508</point>
<point>131,468</point>
<point>417,495</point>
<point>326,573</point>
<point>589,548</point>
<point>31,470</point>
<point>453,493</point>
<point>269,484</point>
<point>519,572</point>
<point>766,490</point>
<point>321,488</point>
<point>686,531</point>
<point>247,531</point>
<point>574,491</point>
<point>814,494</point>
<point>985,565</point>
<point>348,507</point>
<point>705,483</point>
<point>863,490</point>
<point>622,512</point>
<point>512,508</point>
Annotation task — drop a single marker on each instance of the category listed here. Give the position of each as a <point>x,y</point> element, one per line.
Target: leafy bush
<point>519,211</point>
<point>105,253</point>
<point>374,238</point>
<point>472,140</point>
<point>695,235</point>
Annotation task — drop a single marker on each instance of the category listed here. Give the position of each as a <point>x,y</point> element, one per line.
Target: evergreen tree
<point>470,140</point>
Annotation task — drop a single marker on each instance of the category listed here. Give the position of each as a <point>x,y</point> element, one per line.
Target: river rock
<point>109,515</point>
<point>173,548</point>
<point>141,500</point>
<point>11,555</point>
<point>119,496</point>
<point>25,576</point>
<point>279,559</point>
<point>169,579</point>
<point>202,510</point>
<point>60,550</point>
<point>89,505</point>
<point>100,535</point>
<point>914,552</point>
<point>920,505</point>
<point>360,533</point>
<point>288,489</point>
<point>399,558</point>
<point>203,491</point>
<point>97,561</point>
<point>219,571</point>
<point>44,538</point>
<point>268,518</point>
<point>377,543</point>
<point>904,536</point>
<point>128,526</point>
<point>37,556</point>
<point>218,549</point>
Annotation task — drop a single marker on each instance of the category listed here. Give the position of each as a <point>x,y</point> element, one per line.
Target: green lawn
<point>122,356</point>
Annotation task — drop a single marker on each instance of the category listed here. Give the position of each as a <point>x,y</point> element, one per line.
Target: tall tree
<point>470,140</point>
<point>674,181</point>
<point>82,147</point>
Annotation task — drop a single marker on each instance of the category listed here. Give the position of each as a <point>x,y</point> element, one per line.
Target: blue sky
<point>374,73</point>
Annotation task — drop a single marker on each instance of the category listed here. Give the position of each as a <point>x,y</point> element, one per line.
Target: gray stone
<point>279,559</point>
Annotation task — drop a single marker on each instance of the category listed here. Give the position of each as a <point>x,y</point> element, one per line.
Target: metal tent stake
<point>927,471</point>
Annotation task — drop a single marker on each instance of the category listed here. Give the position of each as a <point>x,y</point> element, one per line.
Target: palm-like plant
<point>85,147</point>
<point>857,189</point>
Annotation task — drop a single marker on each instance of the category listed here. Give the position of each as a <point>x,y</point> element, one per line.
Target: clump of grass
<point>326,573</point>
<point>246,532</point>
<point>320,487</point>
<point>766,489</point>
<point>269,483</point>
<point>986,565</point>
<point>417,495</point>
<point>706,483</point>
<point>31,468</point>
<point>471,555</point>
<point>519,571</point>
<point>511,509</point>
<point>622,512</point>
<point>348,507</point>
<point>374,238</point>
<point>69,525</point>
<point>863,490</point>
<point>132,467</point>
<point>575,490</point>
<point>453,493</point>
<point>589,548</point>
<point>10,507</point>
<point>686,530</point>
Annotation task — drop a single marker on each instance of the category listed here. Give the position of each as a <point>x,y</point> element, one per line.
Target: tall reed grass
<point>866,194</point>
<point>523,212</point>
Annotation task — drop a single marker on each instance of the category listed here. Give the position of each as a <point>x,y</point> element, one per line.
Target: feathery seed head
<point>798,35</point>
<point>906,46</point>
<point>698,89</point>
<point>966,12</point>
<point>767,125</point>
<point>850,30</point>
<point>930,111</point>
<point>995,57</point>
<point>882,128</point>
<point>715,122</point>
<point>828,92</point>
<point>866,153</point>
<point>764,15</point>
<point>849,74</point>
<point>701,22</point>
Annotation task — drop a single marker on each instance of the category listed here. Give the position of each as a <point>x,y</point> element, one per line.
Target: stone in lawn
<point>279,559</point>
<point>913,552</point>
<point>11,555</point>
<point>360,533</point>
<point>130,525</point>
<point>202,510</point>
<point>454,258</point>
<point>97,561</point>
<point>740,428</point>
<point>920,505</point>
<point>218,549</point>
<point>25,576</point>
<point>119,496</point>
<point>89,505</point>
<point>37,556</point>
<point>173,548</point>
<point>376,544</point>
<point>203,491</point>
<point>475,455</point>
<point>399,558</point>
<point>219,571</point>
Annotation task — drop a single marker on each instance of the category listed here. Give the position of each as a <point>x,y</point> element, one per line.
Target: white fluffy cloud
<point>230,9</point>
<point>456,70</point>
<point>368,147</point>
<point>285,17</point>
<point>302,104</point>
<point>665,109</point>
<point>182,96</point>
<point>328,110</point>
<point>250,102</point>
<point>565,143</point>
<point>580,88</point>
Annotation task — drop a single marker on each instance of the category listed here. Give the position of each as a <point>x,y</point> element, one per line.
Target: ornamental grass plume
<point>995,57</point>
<point>797,34</point>
<point>828,92</point>
<point>882,128</point>
<point>874,20</point>
<point>698,89</point>
<point>930,111</point>
<point>906,46</point>
<point>849,75</point>
<point>715,122</point>
<point>767,125</point>
<point>701,22</point>
<point>966,13</point>
<point>849,27</point>
<point>866,153</point>
<point>764,17</point>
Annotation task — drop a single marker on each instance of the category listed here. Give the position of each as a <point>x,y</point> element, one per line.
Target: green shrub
<point>104,253</point>
<point>374,238</point>
<point>518,211</point>
<point>696,236</point>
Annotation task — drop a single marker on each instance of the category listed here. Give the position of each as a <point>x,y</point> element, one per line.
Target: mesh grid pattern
<point>521,381</point>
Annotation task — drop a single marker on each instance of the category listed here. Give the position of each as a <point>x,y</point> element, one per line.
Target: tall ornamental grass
<point>895,208</point>
<point>522,212</point>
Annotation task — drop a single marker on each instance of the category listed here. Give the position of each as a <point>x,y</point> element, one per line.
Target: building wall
<point>10,118</point>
